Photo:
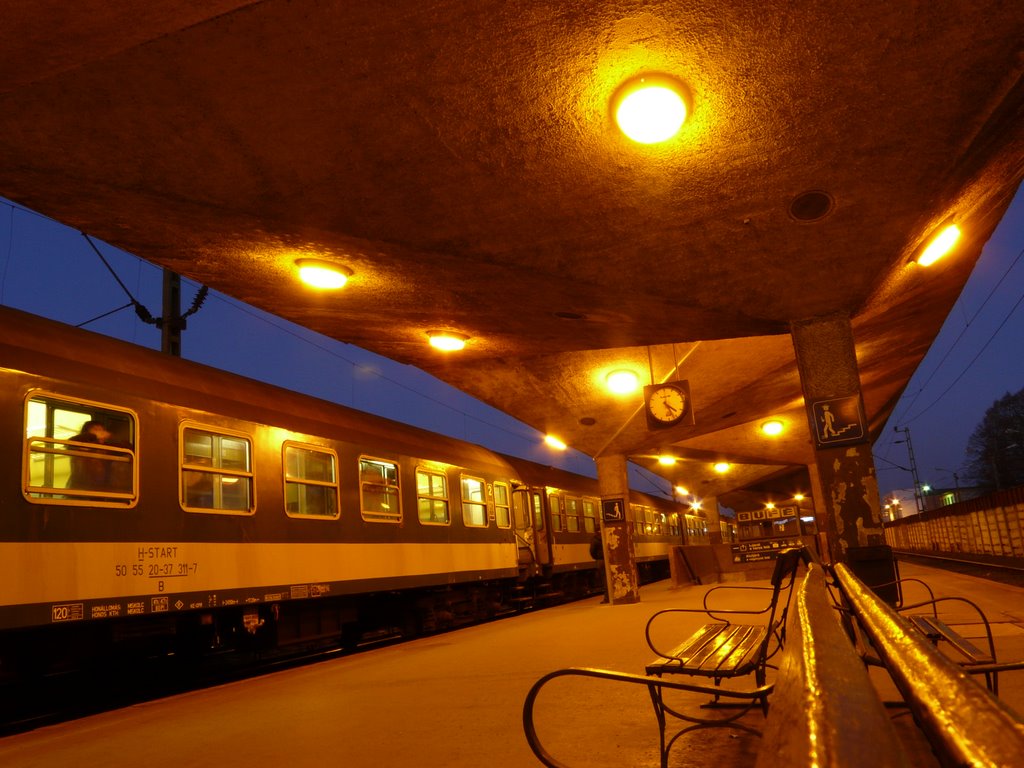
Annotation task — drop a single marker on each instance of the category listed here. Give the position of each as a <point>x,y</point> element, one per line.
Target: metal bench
<point>723,649</point>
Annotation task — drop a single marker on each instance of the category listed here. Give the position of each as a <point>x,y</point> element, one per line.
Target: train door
<point>528,505</point>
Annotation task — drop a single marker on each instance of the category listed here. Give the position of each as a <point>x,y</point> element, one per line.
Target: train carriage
<point>155,498</point>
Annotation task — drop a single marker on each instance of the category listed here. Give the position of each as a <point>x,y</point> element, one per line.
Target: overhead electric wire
<point>966,327</point>
<point>973,361</point>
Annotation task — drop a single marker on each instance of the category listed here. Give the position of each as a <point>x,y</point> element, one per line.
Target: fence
<point>988,525</point>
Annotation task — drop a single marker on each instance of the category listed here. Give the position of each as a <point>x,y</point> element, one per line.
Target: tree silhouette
<point>995,451</point>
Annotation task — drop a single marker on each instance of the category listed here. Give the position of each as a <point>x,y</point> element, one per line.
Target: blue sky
<point>51,270</point>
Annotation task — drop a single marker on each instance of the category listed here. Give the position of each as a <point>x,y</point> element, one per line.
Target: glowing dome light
<point>650,109</point>
<point>622,382</point>
<point>323,274</point>
<point>772,427</point>
<point>682,490</point>
<point>555,443</point>
<point>722,467</point>
<point>940,246</point>
<point>666,460</point>
<point>447,341</point>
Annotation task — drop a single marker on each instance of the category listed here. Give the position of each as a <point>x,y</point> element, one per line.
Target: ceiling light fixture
<point>773,427</point>
<point>322,274</point>
<point>555,443</point>
<point>940,245</point>
<point>667,460</point>
<point>722,467</point>
<point>682,490</point>
<point>447,341</point>
<point>622,382</point>
<point>650,109</point>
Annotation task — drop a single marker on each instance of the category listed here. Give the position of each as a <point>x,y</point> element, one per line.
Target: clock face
<point>667,404</point>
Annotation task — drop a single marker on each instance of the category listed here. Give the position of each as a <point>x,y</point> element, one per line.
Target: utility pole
<point>918,498</point>
<point>171,321</point>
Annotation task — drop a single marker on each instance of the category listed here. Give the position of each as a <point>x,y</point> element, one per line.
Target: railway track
<point>1004,570</point>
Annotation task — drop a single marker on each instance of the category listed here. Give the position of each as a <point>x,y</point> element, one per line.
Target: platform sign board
<point>838,421</point>
<point>613,510</point>
<point>759,551</point>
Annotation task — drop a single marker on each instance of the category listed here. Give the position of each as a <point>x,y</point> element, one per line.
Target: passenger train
<point>152,503</point>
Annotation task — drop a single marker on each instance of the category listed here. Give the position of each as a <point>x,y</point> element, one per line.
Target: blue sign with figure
<point>838,421</point>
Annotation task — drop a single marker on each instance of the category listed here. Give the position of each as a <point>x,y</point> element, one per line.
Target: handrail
<point>825,709</point>
<point>963,722</point>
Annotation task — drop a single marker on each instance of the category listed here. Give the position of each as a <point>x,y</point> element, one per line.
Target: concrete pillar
<point>830,381</point>
<point>710,506</point>
<point>616,534</point>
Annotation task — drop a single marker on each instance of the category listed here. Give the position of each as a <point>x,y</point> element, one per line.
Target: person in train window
<point>88,473</point>
<point>199,484</point>
<point>121,469</point>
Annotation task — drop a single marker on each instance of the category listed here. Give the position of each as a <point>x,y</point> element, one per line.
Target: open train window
<point>310,482</point>
<point>380,501</point>
<point>474,502</point>
<point>216,471</point>
<point>79,452</point>
<point>502,505</point>
<point>432,497</point>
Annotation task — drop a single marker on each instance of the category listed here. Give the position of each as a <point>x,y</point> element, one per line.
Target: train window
<point>216,471</point>
<point>432,497</point>
<point>380,500</point>
<point>572,514</point>
<point>590,515</point>
<point>555,504</point>
<point>474,502</point>
<point>538,511</point>
<point>310,482</point>
<point>502,505</point>
<point>79,452</point>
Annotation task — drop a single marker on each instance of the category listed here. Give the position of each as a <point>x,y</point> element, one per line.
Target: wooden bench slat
<point>734,651</point>
<point>935,629</point>
<point>699,644</point>
<point>713,649</point>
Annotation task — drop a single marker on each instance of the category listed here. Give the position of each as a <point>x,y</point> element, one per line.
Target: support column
<point>616,536</point>
<point>830,380</point>
<point>710,506</point>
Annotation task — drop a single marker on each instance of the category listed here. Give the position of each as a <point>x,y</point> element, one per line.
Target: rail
<point>964,724</point>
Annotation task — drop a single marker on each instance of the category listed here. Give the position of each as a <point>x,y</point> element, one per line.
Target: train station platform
<point>456,699</point>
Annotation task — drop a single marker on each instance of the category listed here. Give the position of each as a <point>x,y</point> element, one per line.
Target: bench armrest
<point>653,685</point>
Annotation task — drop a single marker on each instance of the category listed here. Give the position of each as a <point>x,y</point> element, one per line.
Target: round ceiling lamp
<point>941,245</point>
<point>554,442</point>
<point>773,427</point>
<point>650,109</point>
<point>722,467</point>
<point>622,382</point>
<point>322,274</point>
<point>447,341</point>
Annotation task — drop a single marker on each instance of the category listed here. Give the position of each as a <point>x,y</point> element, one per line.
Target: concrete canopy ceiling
<point>460,158</point>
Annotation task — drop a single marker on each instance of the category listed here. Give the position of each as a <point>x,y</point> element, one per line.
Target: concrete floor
<point>452,700</point>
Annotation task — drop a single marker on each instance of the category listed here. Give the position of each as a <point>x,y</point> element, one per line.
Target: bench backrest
<point>783,576</point>
<point>825,709</point>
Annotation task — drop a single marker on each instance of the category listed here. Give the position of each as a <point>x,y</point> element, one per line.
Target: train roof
<point>38,345</point>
